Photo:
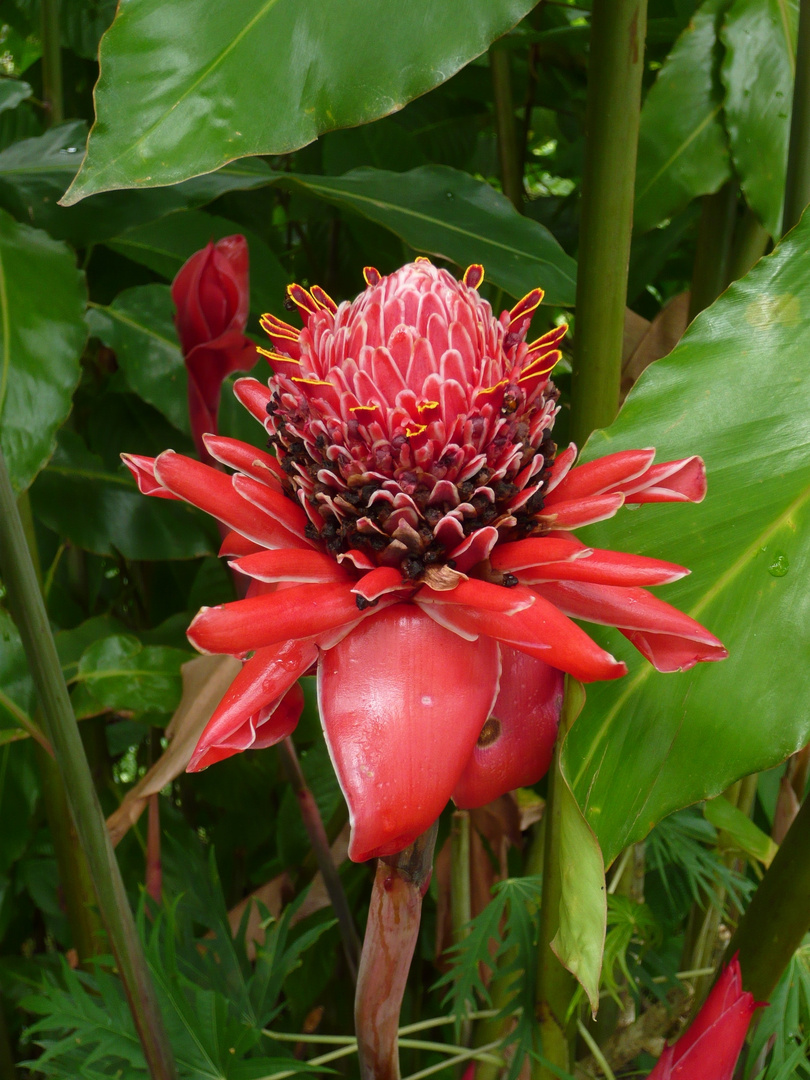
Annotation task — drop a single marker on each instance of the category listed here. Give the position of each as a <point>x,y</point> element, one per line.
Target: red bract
<point>210,295</point>
<point>709,1049</point>
<point>411,538</point>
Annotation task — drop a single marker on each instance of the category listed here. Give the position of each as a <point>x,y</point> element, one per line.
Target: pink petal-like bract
<point>411,522</point>
<point>515,745</point>
<point>709,1048</point>
<point>399,744</point>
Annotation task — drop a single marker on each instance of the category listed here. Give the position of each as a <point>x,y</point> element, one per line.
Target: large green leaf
<point>682,149</point>
<point>138,326</point>
<point>447,213</point>
<point>104,512</point>
<point>42,334</point>
<point>35,172</point>
<point>165,245</point>
<point>264,77</point>
<point>736,390</point>
<point>124,674</point>
<point>758,70</point>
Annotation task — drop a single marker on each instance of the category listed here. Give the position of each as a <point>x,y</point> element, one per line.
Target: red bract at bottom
<point>410,536</point>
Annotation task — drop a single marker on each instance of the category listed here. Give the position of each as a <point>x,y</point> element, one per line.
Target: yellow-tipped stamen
<point>425,405</point>
<point>274,326</point>
<point>323,299</point>
<point>422,258</point>
<point>543,365</point>
<point>371,276</point>
<point>302,298</point>
<point>473,276</point>
<point>411,431</point>
<point>530,302</point>
<point>277,356</point>
<point>492,389</point>
<point>311,382</point>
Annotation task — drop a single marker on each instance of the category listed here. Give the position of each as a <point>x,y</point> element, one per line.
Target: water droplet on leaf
<point>779,565</point>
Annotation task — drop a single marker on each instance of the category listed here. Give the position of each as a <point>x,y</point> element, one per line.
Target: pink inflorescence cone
<point>410,535</point>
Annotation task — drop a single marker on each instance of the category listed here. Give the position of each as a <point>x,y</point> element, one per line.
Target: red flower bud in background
<point>709,1048</point>
<point>210,295</point>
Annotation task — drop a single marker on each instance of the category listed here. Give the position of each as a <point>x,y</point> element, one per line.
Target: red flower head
<point>709,1049</point>
<point>411,537</point>
<point>210,295</point>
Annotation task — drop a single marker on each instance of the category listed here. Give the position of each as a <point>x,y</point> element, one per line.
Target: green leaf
<point>165,245</point>
<point>264,77</point>
<point>138,326</point>
<point>42,298</point>
<point>580,939</point>
<point>740,830</point>
<point>35,172</point>
<point>124,674</point>
<point>19,791</point>
<point>17,695</point>
<point>12,92</point>
<point>449,214</point>
<point>735,392</point>
<point>104,512</point>
<point>682,149</point>
<point>758,70</point>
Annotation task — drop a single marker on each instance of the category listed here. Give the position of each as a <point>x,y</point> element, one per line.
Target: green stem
<point>616,63</point>
<point>797,184</point>
<point>316,832</point>
<point>51,62</point>
<point>555,985</point>
<point>86,929</point>
<point>74,873</point>
<point>509,155</point>
<point>751,240</point>
<point>778,916</point>
<point>28,609</point>
<point>710,274</point>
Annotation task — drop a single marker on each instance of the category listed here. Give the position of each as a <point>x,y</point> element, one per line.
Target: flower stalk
<point>616,63</point>
<point>400,883</point>
<point>28,609</point>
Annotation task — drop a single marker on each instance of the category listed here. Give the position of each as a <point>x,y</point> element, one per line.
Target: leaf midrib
<point>407,212</point>
<point>718,587</point>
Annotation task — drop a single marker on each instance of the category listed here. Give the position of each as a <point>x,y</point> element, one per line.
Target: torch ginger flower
<point>410,537</point>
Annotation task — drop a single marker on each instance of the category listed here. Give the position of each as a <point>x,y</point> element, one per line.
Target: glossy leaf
<point>682,147</point>
<point>138,326</point>
<point>35,172</point>
<point>100,511</point>
<point>734,392</point>
<point>42,334</point>
<point>17,695</point>
<point>124,674</point>
<point>447,213</point>
<point>12,92</point>
<point>165,114</point>
<point>760,36</point>
<point>165,245</point>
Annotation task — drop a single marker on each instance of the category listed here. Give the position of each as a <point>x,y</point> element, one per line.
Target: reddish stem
<point>391,933</point>
<point>154,872</point>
